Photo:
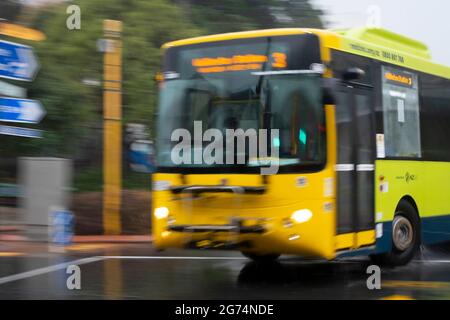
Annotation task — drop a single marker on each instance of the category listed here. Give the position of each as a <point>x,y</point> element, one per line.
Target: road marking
<point>40,271</point>
<point>416,284</point>
<point>87,247</point>
<point>44,270</point>
<point>397,297</point>
<point>11,254</point>
<point>432,261</point>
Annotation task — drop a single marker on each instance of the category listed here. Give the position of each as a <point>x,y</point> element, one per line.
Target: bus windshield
<point>242,87</point>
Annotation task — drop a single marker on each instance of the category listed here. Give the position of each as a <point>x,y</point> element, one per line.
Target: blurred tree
<point>70,60</point>
<point>218,16</point>
<point>10,9</point>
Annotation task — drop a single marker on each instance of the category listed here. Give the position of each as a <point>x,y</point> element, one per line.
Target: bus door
<point>355,165</point>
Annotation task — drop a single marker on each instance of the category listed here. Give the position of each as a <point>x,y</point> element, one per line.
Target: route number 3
<point>279,60</point>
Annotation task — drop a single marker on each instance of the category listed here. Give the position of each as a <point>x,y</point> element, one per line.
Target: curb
<point>12,237</point>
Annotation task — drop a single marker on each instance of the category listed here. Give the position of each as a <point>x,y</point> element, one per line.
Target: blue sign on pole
<point>17,61</point>
<point>21,110</point>
<point>20,132</point>
<point>63,227</point>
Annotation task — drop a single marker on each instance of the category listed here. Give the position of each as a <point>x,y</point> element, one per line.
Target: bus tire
<point>405,237</point>
<point>261,257</point>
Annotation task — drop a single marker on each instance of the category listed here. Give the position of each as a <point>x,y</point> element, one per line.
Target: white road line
<point>40,271</point>
<point>433,261</point>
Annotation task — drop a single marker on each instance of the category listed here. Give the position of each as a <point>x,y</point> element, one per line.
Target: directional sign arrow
<point>17,61</point>
<point>21,110</point>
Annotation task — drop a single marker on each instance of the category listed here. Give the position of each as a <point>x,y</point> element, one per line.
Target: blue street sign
<point>17,61</point>
<point>63,227</point>
<point>20,132</point>
<point>21,110</point>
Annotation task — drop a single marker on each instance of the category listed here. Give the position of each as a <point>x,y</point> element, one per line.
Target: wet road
<point>139,272</point>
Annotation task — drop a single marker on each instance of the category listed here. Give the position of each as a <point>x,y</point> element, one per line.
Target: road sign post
<point>112,129</point>
<point>12,90</point>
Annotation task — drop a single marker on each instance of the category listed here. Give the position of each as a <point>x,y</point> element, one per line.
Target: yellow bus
<point>363,161</point>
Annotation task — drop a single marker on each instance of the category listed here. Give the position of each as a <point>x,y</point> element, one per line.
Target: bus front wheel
<point>405,237</point>
<point>261,257</point>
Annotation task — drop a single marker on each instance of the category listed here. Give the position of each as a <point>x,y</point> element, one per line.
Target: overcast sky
<point>427,21</point>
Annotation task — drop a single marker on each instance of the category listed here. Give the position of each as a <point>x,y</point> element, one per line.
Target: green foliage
<point>88,180</point>
<point>69,56</point>
<point>91,179</point>
<point>219,16</point>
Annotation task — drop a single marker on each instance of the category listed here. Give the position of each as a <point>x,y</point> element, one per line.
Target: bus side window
<point>401,113</point>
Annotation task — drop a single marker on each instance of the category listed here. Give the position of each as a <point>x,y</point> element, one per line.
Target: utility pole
<point>112,128</point>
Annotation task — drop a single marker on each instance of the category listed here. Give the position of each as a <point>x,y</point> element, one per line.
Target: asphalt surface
<point>137,271</point>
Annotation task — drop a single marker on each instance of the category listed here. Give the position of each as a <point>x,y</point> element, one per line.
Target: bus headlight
<point>302,216</point>
<point>161,213</point>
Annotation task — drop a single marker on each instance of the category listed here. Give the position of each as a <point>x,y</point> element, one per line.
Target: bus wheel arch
<point>412,202</point>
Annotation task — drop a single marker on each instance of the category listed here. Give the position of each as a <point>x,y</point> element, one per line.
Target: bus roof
<point>376,43</point>
<point>384,45</point>
<point>236,35</point>
<point>388,39</point>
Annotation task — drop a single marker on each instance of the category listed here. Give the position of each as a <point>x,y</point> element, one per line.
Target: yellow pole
<point>112,129</point>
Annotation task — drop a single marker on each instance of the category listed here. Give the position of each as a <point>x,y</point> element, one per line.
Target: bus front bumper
<point>217,228</point>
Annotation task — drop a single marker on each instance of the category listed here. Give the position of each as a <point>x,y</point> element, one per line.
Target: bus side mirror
<point>352,74</point>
